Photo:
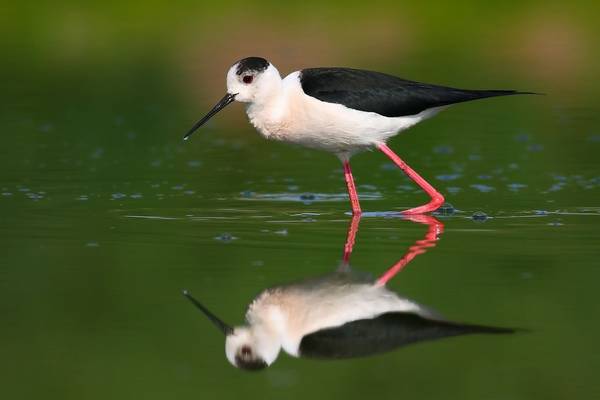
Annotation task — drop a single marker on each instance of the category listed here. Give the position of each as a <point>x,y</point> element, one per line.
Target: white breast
<point>295,117</point>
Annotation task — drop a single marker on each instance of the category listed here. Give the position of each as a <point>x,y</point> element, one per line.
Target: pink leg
<point>436,198</point>
<point>350,238</point>
<point>435,228</point>
<point>351,189</point>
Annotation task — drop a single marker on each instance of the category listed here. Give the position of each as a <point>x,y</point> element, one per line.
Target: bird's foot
<point>433,205</point>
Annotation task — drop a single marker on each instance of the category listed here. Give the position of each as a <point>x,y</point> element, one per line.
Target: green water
<point>106,214</point>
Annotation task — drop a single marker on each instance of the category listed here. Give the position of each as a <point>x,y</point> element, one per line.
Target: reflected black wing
<point>382,334</point>
<point>384,94</point>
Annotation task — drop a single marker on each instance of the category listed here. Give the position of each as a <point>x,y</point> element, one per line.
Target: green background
<point>106,214</point>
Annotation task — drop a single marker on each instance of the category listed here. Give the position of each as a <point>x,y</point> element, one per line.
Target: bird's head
<point>246,347</point>
<point>250,349</point>
<point>248,80</point>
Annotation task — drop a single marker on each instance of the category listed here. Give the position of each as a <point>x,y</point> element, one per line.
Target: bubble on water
<point>446,209</point>
<point>556,187</point>
<point>225,237</point>
<point>479,216</point>
<point>404,187</point>
<point>483,188</point>
<point>46,127</point>
<point>194,163</point>
<point>34,196</point>
<point>443,149</point>
<point>116,196</point>
<point>594,138</point>
<point>522,137</point>
<point>515,187</point>
<point>307,197</point>
<point>526,275</point>
<point>367,187</point>
<point>97,153</point>
<point>448,177</point>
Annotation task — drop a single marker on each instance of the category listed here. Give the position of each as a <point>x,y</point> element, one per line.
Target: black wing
<point>384,94</point>
<point>382,334</point>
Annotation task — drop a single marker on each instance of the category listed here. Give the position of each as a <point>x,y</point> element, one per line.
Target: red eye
<point>248,79</point>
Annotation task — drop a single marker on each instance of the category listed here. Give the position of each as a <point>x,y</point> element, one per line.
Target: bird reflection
<point>343,314</point>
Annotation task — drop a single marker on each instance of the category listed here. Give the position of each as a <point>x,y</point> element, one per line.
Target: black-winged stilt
<point>340,110</point>
<point>340,315</point>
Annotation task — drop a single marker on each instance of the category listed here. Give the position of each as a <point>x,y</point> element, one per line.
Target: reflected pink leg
<point>435,229</point>
<point>436,198</point>
<point>351,189</point>
<point>350,238</point>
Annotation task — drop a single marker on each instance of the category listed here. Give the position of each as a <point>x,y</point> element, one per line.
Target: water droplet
<point>479,216</point>
<point>446,209</point>
<point>225,237</point>
<point>448,177</point>
<point>535,148</point>
<point>522,137</point>
<point>443,149</point>
<point>307,197</point>
<point>483,188</point>
<point>515,187</point>
<point>194,163</point>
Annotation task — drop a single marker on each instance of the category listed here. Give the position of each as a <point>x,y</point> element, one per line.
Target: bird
<point>343,314</point>
<point>340,110</point>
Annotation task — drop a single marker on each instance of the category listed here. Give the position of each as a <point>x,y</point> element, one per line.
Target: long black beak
<point>229,98</point>
<point>223,327</point>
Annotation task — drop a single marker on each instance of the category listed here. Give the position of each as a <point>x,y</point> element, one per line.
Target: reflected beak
<point>229,98</point>
<point>223,327</point>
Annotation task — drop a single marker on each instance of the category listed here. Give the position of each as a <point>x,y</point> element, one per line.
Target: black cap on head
<point>257,64</point>
<point>255,364</point>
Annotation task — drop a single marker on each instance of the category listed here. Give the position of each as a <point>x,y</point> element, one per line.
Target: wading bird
<point>340,315</point>
<point>340,110</point>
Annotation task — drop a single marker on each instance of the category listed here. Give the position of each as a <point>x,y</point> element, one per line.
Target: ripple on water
<point>479,216</point>
<point>483,188</point>
<point>305,197</point>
